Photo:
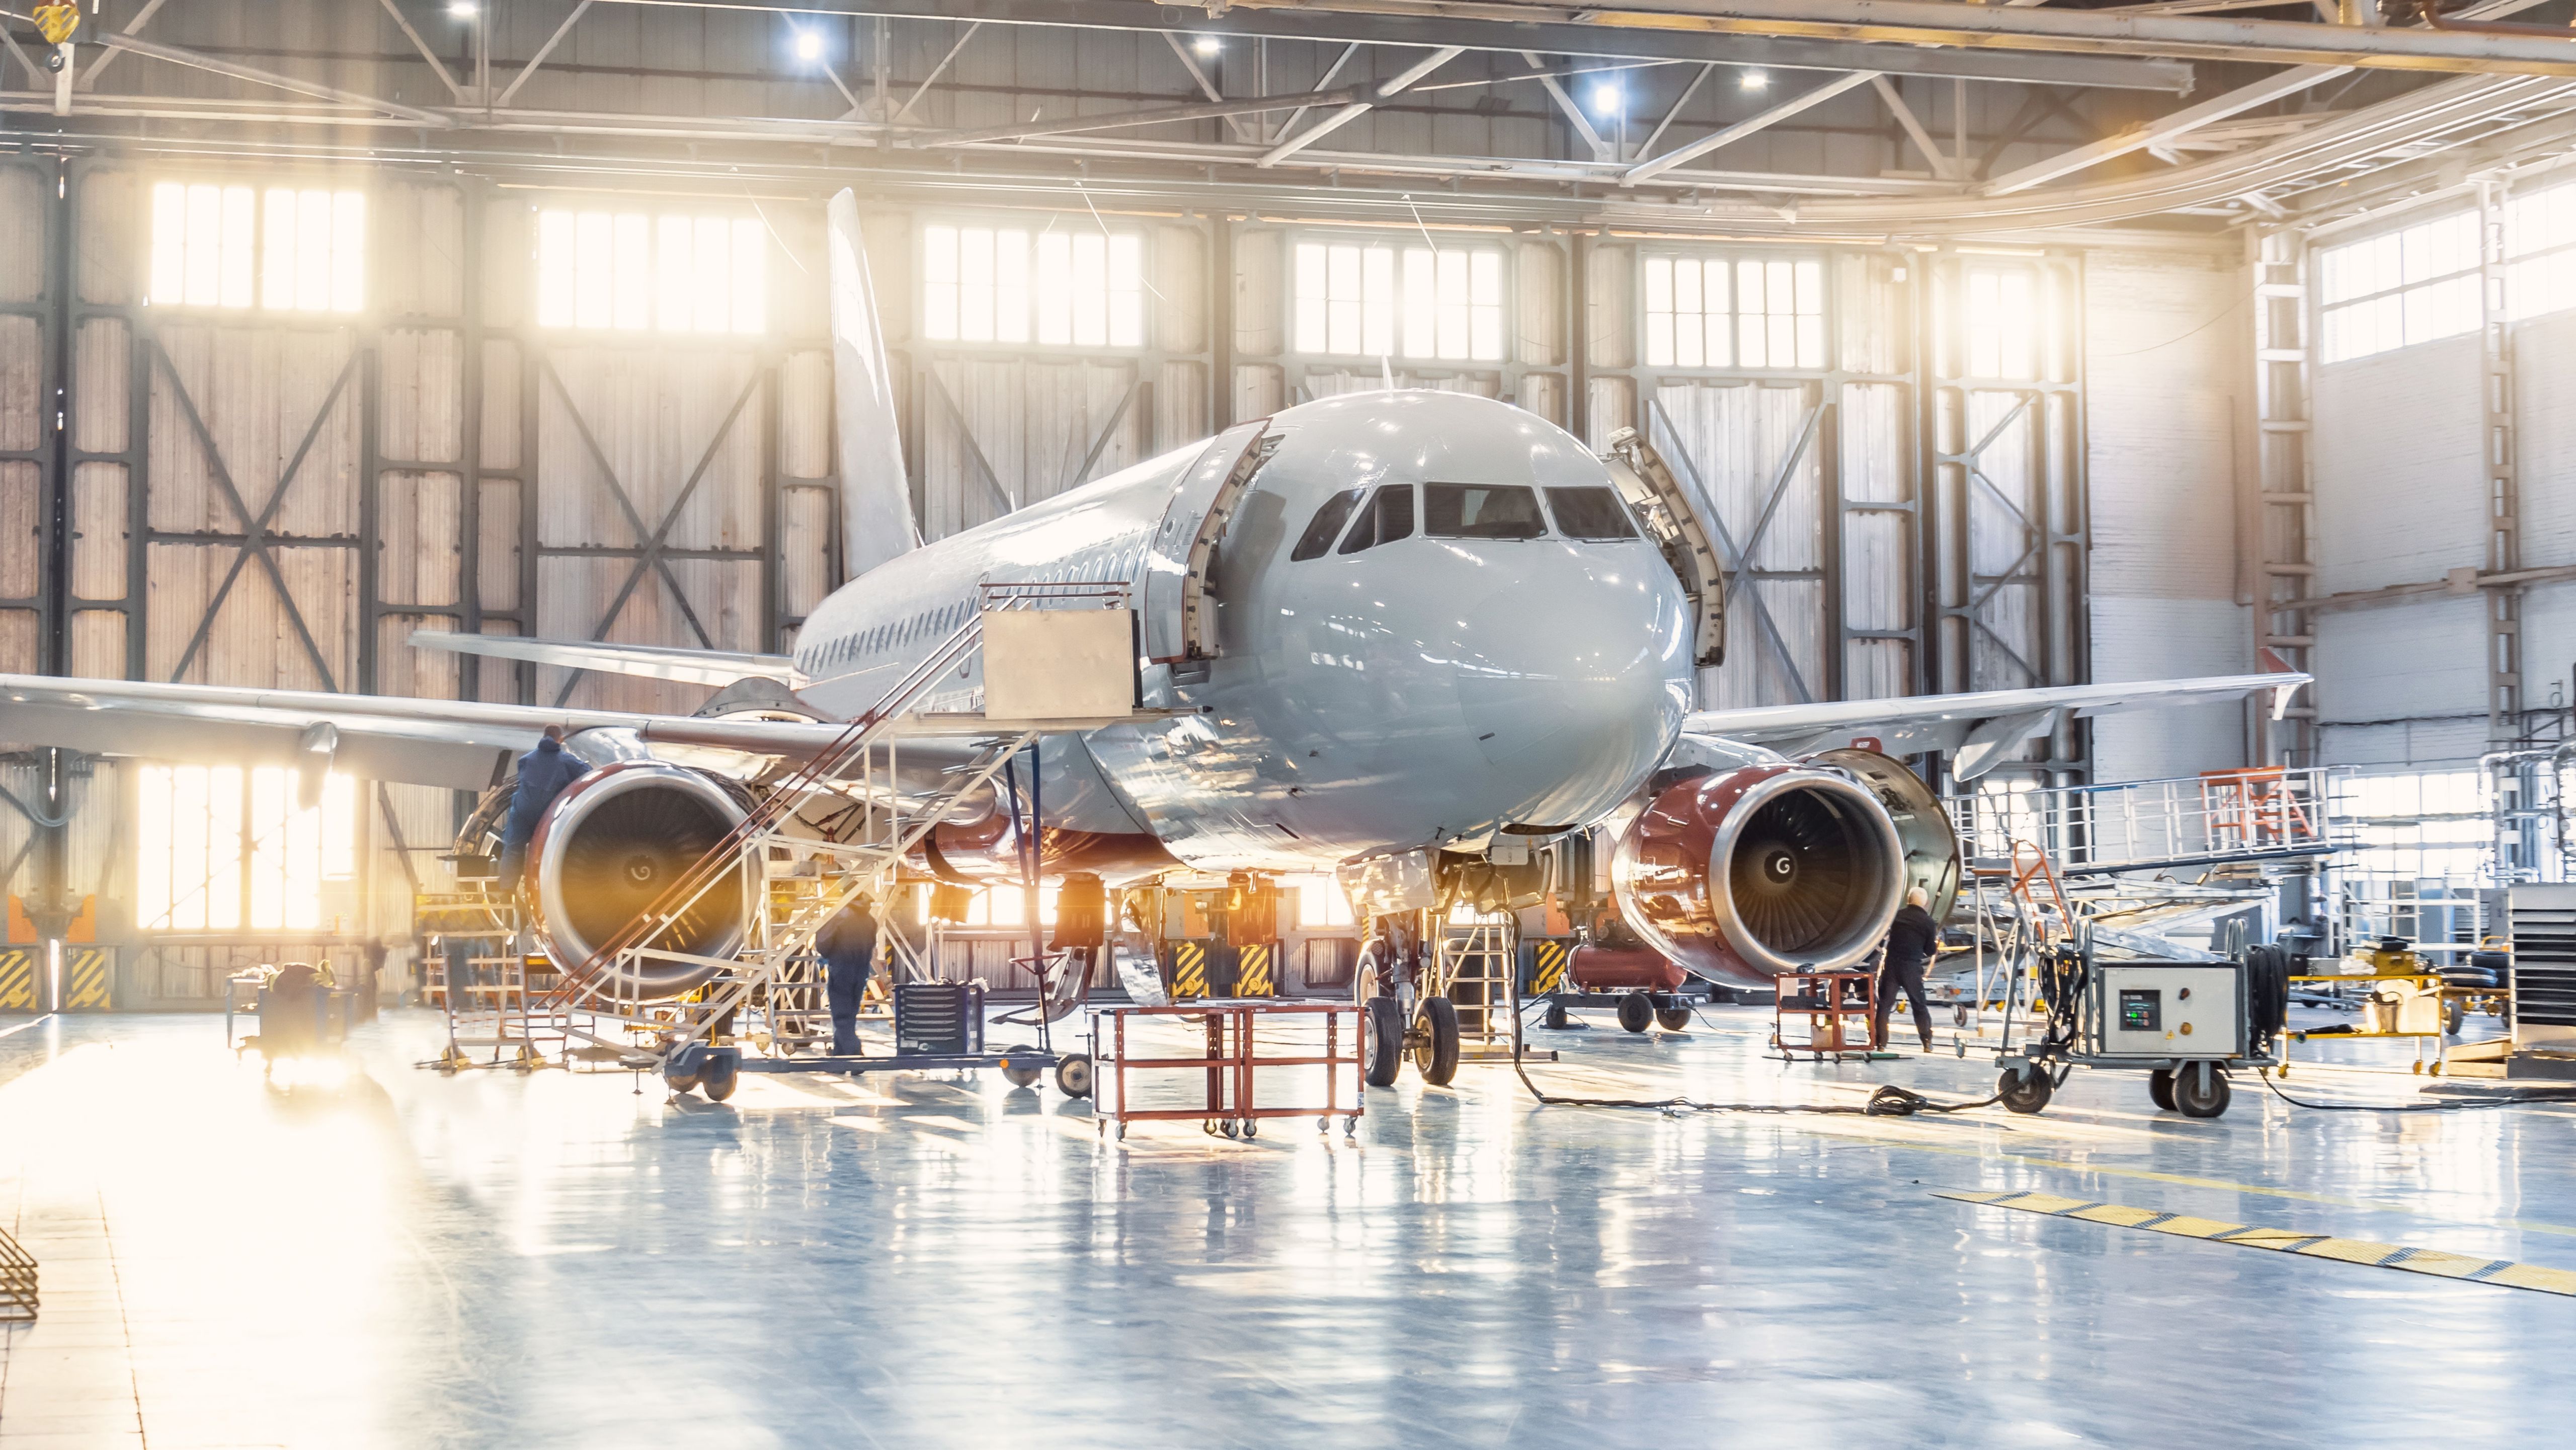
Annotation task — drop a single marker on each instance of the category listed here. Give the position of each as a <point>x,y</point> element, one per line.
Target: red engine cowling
<point>1739,875</point>
<point>1624,969</point>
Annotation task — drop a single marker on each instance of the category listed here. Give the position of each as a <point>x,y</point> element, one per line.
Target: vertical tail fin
<point>876,497</point>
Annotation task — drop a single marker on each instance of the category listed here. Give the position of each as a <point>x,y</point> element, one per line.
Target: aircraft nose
<point>1574,686</point>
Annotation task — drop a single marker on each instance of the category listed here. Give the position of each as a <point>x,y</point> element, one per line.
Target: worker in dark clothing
<point>543,774</point>
<point>1912,939</point>
<point>848,946</point>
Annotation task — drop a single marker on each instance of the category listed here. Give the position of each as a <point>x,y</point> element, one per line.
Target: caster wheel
<point>1635,1012</point>
<point>1435,1053</point>
<point>1959,1015</point>
<point>684,1083</point>
<point>1251,1128</point>
<point>2026,1092</point>
<point>1018,1075</point>
<point>1122,1132</point>
<point>1227,1127</point>
<point>1556,1016</point>
<point>2160,1087</point>
<point>1351,1126</point>
<point>1208,1126</point>
<point>1673,1019</point>
<point>1323,1125</point>
<point>2195,1101</point>
<point>1073,1076</point>
<point>2454,1013</point>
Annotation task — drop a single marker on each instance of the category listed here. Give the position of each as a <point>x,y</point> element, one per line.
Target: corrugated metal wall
<point>2168,338</point>
<point>2400,499</point>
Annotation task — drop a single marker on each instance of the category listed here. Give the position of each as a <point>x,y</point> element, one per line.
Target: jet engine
<point>607,850</point>
<point>1741,874</point>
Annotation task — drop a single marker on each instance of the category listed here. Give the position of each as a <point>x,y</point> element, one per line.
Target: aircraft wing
<point>462,744</point>
<point>1979,730</point>
<point>657,662</point>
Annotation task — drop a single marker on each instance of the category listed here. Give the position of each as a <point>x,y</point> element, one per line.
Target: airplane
<point>1399,635</point>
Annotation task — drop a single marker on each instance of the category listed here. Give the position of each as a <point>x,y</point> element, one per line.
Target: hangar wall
<point>2167,339</point>
<point>282,498</point>
<point>2406,450</point>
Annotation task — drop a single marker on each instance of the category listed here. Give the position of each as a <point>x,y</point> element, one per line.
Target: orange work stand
<point>1837,1008</point>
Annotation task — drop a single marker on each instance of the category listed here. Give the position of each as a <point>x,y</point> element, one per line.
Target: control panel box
<point>2166,1009</point>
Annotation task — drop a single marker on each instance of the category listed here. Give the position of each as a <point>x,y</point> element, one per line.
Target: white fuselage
<point>1426,691</point>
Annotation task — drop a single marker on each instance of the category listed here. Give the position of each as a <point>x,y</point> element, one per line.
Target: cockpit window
<point>1328,523</point>
<point>1590,513</point>
<point>1480,511</point>
<point>1388,517</point>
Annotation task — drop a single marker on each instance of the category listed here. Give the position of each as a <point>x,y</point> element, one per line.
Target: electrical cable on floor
<point>2567,1095</point>
<point>1890,1101</point>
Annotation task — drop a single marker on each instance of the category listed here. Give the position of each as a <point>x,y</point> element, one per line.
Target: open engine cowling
<point>1741,874</point>
<point>610,846</point>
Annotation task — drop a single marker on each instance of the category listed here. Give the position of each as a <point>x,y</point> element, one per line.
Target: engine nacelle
<point>607,850</point>
<point>1742,874</point>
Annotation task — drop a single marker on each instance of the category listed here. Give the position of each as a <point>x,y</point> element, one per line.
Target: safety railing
<point>2269,813</point>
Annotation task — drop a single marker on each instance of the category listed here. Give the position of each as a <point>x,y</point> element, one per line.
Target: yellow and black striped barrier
<point>20,989</point>
<point>88,977</point>
<point>1252,974</point>
<point>2436,1262</point>
<point>1548,975</point>
<point>1189,970</point>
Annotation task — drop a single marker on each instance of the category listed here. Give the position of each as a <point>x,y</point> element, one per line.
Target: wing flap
<point>652,662</point>
<point>1983,726</point>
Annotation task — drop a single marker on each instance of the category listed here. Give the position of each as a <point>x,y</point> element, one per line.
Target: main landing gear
<point>1428,1032</point>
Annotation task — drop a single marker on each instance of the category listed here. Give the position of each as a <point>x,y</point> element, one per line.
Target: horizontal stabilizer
<point>653,662</point>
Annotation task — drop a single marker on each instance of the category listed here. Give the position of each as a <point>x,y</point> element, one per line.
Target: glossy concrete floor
<point>400,1259</point>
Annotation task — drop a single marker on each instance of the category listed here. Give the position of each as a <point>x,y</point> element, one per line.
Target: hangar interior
<point>2024,347</point>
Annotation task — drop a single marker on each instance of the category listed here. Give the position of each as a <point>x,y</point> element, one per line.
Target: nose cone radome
<point>1574,683</point>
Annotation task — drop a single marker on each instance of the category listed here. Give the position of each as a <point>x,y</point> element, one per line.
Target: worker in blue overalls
<point>543,774</point>
<point>848,946</point>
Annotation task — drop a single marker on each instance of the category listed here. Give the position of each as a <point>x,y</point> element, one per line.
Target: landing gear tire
<point>1435,1051</point>
<point>2026,1092</point>
<point>2192,1100</point>
<point>1381,1042</point>
<point>1673,1019</point>
<point>2160,1088</point>
<point>1019,1075</point>
<point>721,1075</point>
<point>1073,1076</point>
<point>1557,1017</point>
<point>1635,1012</point>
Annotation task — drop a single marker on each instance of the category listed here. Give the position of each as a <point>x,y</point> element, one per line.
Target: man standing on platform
<point>848,946</point>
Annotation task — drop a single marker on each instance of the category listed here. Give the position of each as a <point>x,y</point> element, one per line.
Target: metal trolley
<point>1231,1104</point>
<point>2185,1024</point>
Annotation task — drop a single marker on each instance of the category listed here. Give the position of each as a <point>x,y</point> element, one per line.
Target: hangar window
<point>1480,511</point>
<point>287,249</point>
<point>2399,288</point>
<point>1731,312</point>
<point>602,271</point>
<point>1327,525</point>
<point>2540,243</point>
<point>2002,323</point>
<point>225,848</point>
<point>1388,517</point>
<point>1058,288</point>
<point>1356,299</point>
<point>1320,901</point>
<point>1590,513</point>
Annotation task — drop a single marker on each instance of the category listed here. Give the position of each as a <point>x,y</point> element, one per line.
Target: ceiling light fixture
<point>1756,80</point>
<point>1206,45</point>
<point>809,45</point>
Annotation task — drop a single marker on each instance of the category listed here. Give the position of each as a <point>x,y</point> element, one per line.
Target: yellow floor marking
<point>2184,1180</point>
<point>2437,1262</point>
